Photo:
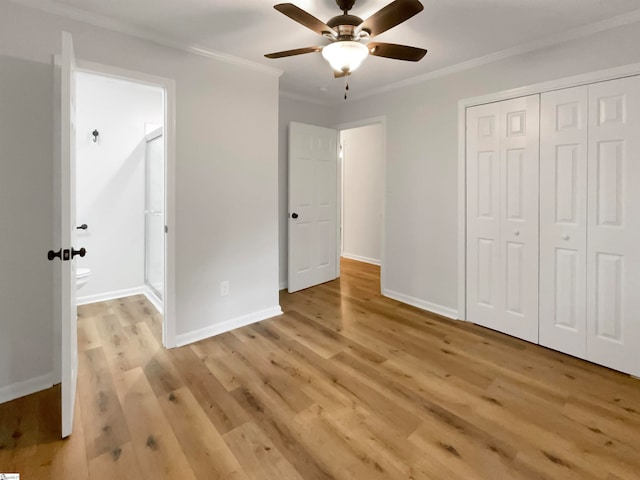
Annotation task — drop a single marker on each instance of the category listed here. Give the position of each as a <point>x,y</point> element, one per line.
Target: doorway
<point>361,165</point>
<point>125,170</point>
<point>365,239</point>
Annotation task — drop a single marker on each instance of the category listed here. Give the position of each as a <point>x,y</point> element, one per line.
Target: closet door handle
<point>565,237</point>
<point>516,232</point>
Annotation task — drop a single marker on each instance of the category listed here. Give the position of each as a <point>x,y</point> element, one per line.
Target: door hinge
<point>166,229</point>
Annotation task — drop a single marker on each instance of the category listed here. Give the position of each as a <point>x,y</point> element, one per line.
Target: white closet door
<point>613,236</point>
<point>563,220</point>
<point>502,216</point>
<point>485,302</point>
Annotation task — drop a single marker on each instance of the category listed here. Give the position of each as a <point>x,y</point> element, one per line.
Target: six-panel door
<point>502,216</point>
<point>563,220</point>
<point>613,235</point>
<point>313,156</point>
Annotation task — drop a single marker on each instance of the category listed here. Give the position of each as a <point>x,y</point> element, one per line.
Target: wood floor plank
<point>260,457</point>
<point>118,463</point>
<point>105,428</point>
<point>154,443</point>
<point>207,452</point>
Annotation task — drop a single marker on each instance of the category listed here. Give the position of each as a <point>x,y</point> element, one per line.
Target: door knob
<point>82,252</point>
<point>294,215</point>
<point>565,237</point>
<point>516,232</point>
<point>51,254</point>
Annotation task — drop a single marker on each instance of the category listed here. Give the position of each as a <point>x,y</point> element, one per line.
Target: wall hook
<point>95,134</point>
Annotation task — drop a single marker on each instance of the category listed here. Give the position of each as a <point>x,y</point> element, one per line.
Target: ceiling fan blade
<point>290,53</point>
<point>397,52</point>
<point>390,16</point>
<point>306,19</point>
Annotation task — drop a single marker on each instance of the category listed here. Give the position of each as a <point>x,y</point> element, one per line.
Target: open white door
<point>66,235</point>
<point>313,163</point>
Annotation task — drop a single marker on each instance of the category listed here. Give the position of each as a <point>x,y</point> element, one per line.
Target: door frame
<point>537,88</point>
<point>169,87</point>
<point>382,120</point>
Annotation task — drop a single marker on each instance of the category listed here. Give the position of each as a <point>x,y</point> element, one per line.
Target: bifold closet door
<point>563,220</point>
<point>613,233</point>
<point>502,216</point>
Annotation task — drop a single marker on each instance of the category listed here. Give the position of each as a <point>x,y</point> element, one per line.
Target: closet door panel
<point>484,301</point>
<point>563,220</point>
<point>613,237</point>
<point>519,159</point>
<point>502,216</point>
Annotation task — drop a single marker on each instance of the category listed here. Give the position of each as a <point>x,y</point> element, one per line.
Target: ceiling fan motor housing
<point>345,25</point>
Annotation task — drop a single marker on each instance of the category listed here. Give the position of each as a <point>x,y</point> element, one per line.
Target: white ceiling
<point>454,31</point>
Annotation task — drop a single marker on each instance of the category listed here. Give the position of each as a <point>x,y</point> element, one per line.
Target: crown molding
<point>55,8</point>
<point>573,34</point>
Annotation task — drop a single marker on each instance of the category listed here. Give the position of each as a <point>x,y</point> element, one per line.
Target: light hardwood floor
<point>346,384</point>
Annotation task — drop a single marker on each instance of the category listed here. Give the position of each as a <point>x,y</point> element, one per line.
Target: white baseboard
<point>103,297</point>
<point>155,301</point>
<point>360,258</point>
<point>422,304</point>
<point>26,387</point>
<point>283,285</point>
<point>226,326</point>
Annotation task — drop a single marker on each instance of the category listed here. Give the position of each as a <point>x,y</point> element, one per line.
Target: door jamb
<point>537,88</point>
<point>382,119</point>
<point>169,87</point>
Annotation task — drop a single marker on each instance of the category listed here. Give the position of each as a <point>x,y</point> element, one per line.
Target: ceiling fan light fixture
<point>345,55</point>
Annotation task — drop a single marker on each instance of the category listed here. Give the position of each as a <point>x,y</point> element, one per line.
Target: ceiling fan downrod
<point>345,5</point>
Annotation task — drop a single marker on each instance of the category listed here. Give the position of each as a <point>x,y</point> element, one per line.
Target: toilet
<point>82,277</point>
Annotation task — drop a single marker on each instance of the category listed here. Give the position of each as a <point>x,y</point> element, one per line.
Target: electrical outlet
<point>224,288</point>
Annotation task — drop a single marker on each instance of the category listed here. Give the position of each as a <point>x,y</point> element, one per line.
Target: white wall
<point>111,179</point>
<point>26,226</point>
<point>226,178</point>
<point>363,187</point>
<point>422,148</point>
<point>292,110</point>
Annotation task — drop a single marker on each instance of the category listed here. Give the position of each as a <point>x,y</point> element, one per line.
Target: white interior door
<point>613,237</point>
<point>485,301</point>
<point>67,234</point>
<point>563,220</point>
<point>502,216</point>
<point>313,155</point>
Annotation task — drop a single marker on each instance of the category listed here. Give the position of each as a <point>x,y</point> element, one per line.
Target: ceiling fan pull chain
<point>346,86</point>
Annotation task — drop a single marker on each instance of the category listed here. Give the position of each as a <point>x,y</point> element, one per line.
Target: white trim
<point>153,300</point>
<point>360,258</point>
<point>422,304</point>
<point>103,297</point>
<point>152,135</point>
<point>226,326</point>
<point>26,387</point>
<point>169,86</point>
<point>462,212</point>
<point>283,285</point>
<point>363,123</point>
<point>538,88</point>
<point>102,21</point>
<point>544,42</point>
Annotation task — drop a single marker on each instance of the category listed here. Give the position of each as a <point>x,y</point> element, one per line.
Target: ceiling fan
<point>346,52</point>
